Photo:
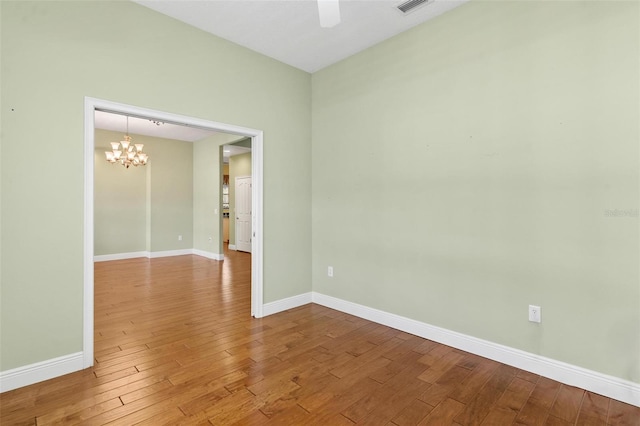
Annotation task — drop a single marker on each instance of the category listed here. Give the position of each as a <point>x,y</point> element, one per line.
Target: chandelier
<point>126,153</point>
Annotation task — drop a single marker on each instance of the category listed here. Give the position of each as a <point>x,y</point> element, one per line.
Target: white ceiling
<point>286,30</point>
<point>289,30</point>
<point>231,150</point>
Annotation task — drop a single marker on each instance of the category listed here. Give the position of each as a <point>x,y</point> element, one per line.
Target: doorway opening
<point>256,137</point>
<point>236,201</point>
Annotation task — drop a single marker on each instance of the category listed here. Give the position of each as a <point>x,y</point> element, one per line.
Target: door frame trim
<point>257,263</point>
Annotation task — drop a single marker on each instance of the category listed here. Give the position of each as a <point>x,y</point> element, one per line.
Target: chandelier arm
<point>127,153</point>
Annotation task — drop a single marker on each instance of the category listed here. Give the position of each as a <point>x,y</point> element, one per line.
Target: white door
<point>243,213</point>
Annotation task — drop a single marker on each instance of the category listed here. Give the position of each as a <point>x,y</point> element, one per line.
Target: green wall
<point>171,194</point>
<point>478,156</point>
<point>56,53</point>
<point>120,201</point>
<point>239,165</point>
<point>144,208</point>
<point>124,214</point>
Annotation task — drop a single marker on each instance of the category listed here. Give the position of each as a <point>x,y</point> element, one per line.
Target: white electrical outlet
<point>330,271</point>
<point>534,313</point>
<point>179,237</point>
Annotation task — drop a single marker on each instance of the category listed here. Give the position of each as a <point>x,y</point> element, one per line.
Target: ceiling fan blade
<point>329,12</point>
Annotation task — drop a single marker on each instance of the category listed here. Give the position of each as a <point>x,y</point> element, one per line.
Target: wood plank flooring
<point>175,345</point>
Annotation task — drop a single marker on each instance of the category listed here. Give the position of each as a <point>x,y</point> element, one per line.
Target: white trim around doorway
<point>90,105</point>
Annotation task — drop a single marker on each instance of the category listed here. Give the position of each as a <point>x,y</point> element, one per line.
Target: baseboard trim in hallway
<point>157,254</point>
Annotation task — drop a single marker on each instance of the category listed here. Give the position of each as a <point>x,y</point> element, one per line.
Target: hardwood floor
<point>175,345</point>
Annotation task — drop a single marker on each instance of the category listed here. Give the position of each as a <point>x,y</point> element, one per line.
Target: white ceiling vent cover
<point>408,6</point>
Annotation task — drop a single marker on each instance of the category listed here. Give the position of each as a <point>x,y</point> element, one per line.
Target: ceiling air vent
<point>408,6</point>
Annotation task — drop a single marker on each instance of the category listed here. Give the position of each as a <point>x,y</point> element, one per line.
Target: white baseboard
<point>156,254</point>
<point>232,247</point>
<point>40,371</point>
<point>208,254</point>
<point>284,304</point>
<point>169,253</point>
<point>120,256</point>
<point>609,386</point>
